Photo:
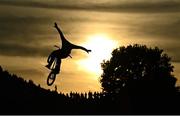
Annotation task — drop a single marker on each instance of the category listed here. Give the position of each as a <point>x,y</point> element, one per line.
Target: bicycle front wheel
<point>51,78</point>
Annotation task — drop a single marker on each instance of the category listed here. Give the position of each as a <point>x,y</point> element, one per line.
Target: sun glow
<point>101,46</point>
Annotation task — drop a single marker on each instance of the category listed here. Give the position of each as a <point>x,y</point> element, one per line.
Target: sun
<point>101,46</point>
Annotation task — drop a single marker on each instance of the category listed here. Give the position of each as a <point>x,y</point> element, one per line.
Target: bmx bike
<point>52,75</point>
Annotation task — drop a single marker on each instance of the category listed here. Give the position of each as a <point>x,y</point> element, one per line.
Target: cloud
<point>162,31</point>
<point>20,34</point>
<point>22,50</point>
<point>15,49</point>
<point>25,35</point>
<point>163,28</point>
<point>22,26</point>
<point>108,5</point>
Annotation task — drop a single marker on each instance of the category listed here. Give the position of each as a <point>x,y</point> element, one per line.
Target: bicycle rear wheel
<point>51,78</point>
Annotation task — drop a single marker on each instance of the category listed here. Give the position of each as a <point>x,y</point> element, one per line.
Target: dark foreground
<point>18,96</point>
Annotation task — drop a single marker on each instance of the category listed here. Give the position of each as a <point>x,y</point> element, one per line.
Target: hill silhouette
<point>18,96</point>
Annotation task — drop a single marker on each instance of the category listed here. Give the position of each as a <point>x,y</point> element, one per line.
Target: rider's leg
<point>50,59</point>
<point>50,62</point>
<point>58,65</point>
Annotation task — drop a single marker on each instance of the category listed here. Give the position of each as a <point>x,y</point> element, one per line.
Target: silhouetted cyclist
<point>64,51</point>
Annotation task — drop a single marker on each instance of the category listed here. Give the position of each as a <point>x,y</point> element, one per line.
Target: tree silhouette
<point>138,67</point>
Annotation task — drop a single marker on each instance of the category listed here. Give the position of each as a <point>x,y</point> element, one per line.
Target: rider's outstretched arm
<point>60,32</point>
<point>80,47</point>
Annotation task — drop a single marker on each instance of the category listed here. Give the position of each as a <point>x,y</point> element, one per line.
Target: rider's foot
<point>47,66</point>
<point>58,72</point>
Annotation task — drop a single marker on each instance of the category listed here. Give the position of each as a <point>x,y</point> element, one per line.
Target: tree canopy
<point>137,63</point>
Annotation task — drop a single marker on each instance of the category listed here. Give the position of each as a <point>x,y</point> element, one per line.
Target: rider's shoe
<point>58,72</point>
<point>47,66</point>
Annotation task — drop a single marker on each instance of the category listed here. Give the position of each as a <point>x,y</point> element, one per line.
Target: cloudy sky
<point>27,35</point>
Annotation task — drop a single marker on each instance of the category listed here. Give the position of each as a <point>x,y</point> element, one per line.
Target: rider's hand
<point>55,24</point>
<point>88,51</point>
